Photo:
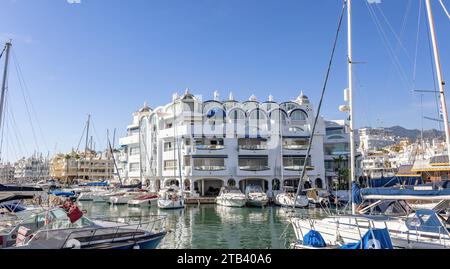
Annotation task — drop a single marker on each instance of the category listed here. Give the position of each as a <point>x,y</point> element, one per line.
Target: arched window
<point>307,185</point>
<point>231,182</point>
<point>257,119</point>
<point>277,116</point>
<point>319,183</point>
<point>298,115</point>
<point>276,186</point>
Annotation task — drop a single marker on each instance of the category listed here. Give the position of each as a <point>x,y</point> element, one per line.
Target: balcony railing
<point>209,168</point>
<point>297,168</point>
<point>253,147</point>
<point>295,147</point>
<point>209,147</point>
<point>254,167</point>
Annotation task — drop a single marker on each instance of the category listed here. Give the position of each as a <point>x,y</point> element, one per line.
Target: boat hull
<point>170,204</point>
<point>230,202</point>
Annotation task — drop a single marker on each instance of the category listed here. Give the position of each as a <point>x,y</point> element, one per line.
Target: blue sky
<point>106,57</point>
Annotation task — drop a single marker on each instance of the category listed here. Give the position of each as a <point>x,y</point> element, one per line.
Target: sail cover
<point>405,194</point>
<point>373,239</point>
<point>314,239</point>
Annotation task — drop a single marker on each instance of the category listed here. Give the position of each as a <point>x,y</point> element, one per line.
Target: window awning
<point>253,156</point>
<point>209,156</point>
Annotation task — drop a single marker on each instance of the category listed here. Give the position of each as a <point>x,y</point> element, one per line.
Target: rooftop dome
<point>252,98</point>
<point>302,98</point>
<point>145,108</point>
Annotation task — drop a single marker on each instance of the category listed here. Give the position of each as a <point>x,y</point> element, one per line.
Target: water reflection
<point>214,226</point>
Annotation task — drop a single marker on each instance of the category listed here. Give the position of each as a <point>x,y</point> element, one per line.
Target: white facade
<point>128,158</point>
<point>373,139</point>
<point>6,173</point>
<point>34,168</point>
<point>215,143</point>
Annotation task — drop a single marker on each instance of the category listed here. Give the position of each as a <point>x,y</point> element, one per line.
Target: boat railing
<point>155,225</point>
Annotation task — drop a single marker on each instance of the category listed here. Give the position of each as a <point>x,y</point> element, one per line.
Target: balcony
<point>209,168</point>
<point>254,167</point>
<point>297,168</point>
<point>209,147</point>
<point>133,139</point>
<point>295,147</point>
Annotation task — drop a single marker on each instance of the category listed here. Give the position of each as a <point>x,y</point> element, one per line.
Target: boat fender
<point>373,244</point>
<point>73,244</point>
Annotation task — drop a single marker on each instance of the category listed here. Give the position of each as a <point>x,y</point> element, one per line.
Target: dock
<point>200,200</point>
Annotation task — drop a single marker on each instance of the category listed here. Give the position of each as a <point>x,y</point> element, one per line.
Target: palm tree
<point>342,172</point>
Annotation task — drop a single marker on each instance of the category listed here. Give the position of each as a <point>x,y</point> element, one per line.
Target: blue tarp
<point>392,181</point>
<point>373,239</point>
<point>314,239</point>
<point>63,193</point>
<point>356,194</point>
<point>425,220</point>
<point>393,191</point>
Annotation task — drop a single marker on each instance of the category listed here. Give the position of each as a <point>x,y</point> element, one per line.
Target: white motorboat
<point>231,196</point>
<point>144,200</point>
<point>123,198</point>
<point>287,199</point>
<point>317,197</point>
<point>86,196</point>
<point>256,196</point>
<point>170,198</point>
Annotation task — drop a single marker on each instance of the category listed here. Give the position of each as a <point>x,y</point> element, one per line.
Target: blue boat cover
<point>425,220</point>
<point>96,184</point>
<point>314,239</point>
<point>373,239</point>
<point>394,191</point>
<point>63,193</point>
<point>392,181</point>
<point>356,194</point>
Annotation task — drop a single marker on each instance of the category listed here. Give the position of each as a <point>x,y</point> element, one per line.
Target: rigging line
<point>3,131</point>
<point>17,141</point>
<point>388,47</point>
<point>96,135</point>
<point>400,43</point>
<point>81,138</point>
<point>325,83</point>
<point>20,141</point>
<point>25,100</point>
<point>445,9</point>
<point>1,54</point>
<point>30,100</point>
<point>433,70</point>
<point>417,43</point>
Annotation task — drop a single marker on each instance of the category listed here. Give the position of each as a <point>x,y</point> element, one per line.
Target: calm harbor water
<point>214,226</point>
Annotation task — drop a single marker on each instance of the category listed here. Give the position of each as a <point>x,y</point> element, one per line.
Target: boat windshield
<point>54,219</point>
<point>426,221</point>
<point>253,189</point>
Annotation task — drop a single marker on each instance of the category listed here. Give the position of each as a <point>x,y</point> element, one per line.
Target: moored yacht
<point>170,198</point>
<point>287,199</point>
<point>256,196</point>
<point>148,199</point>
<point>231,196</point>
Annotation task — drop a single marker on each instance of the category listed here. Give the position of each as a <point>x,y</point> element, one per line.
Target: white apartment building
<point>6,173</point>
<point>374,139</point>
<point>128,158</point>
<point>209,144</point>
<point>34,168</point>
<point>336,147</point>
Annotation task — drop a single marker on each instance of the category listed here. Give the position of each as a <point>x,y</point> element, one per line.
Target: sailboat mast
<point>5,78</point>
<point>440,78</point>
<point>350,91</point>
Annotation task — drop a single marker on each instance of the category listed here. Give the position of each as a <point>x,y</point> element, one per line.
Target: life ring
<point>373,244</point>
<point>73,244</point>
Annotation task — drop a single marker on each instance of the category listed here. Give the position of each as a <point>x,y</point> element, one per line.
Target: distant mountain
<point>415,133</point>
